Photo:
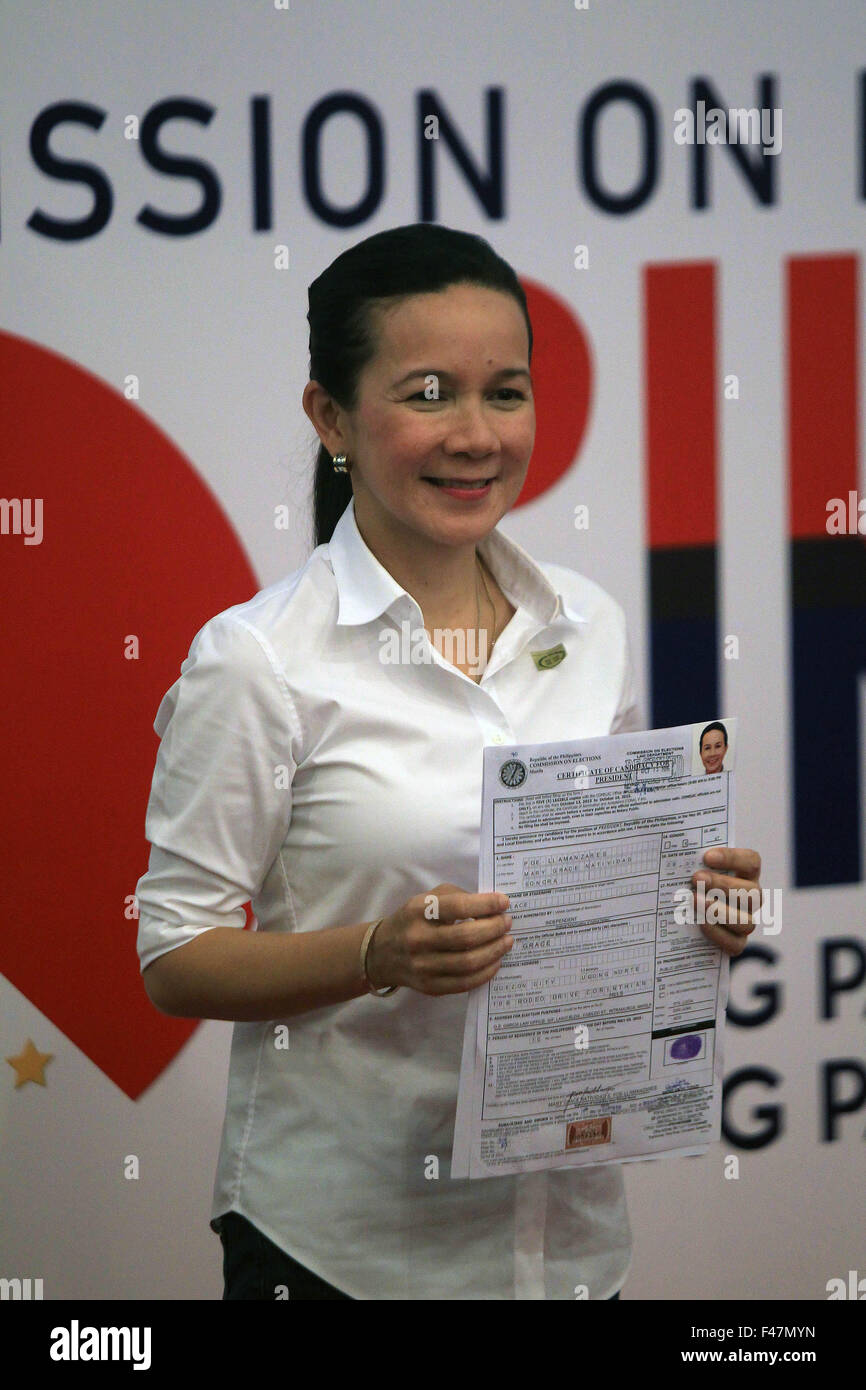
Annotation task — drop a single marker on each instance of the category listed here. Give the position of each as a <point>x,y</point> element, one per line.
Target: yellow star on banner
<point>30,1065</point>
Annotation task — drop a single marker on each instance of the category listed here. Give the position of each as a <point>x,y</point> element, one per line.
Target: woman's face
<point>713,750</point>
<point>448,395</point>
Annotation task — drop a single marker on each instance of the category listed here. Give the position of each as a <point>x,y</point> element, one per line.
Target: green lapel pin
<point>552,657</point>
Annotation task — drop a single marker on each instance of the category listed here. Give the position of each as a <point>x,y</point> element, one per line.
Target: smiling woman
<point>433,471</point>
<point>438,424</point>
<point>335,779</point>
<point>465,427</point>
<point>713,746</point>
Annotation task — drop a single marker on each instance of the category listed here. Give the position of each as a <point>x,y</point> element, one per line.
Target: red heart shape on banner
<point>562,387</point>
<point>133,542</point>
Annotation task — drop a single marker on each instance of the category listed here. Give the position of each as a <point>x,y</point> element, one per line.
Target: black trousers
<point>253,1267</point>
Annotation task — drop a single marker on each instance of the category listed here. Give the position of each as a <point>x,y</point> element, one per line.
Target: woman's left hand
<point>726,869</point>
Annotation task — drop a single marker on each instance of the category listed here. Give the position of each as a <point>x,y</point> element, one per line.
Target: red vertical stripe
<point>680,373</point>
<point>822,387</point>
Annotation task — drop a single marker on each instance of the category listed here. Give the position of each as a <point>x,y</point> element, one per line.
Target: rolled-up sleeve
<point>220,802</point>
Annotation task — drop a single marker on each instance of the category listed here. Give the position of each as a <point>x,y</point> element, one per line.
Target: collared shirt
<point>305,769</point>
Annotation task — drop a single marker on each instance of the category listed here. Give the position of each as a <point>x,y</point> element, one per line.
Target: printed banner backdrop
<point>172,177</point>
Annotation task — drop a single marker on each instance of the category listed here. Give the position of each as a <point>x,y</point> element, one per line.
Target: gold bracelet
<point>365,946</point>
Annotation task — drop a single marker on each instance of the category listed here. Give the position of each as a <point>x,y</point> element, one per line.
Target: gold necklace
<point>489,600</point>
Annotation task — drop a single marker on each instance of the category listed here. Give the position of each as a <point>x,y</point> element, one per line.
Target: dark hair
<point>417,259</point>
<point>710,728</point>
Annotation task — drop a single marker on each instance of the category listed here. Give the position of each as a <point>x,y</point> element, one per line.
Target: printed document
<point>599,1040</point>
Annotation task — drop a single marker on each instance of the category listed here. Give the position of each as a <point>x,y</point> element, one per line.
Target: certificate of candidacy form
<point>599,1040</point>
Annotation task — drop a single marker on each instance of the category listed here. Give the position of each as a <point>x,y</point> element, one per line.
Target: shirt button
<point>498,738</point>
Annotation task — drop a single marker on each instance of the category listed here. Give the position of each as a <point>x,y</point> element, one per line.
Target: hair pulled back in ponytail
<point>421,258</point>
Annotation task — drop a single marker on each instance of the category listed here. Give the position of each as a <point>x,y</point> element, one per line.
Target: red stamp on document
<point>584,1134</point>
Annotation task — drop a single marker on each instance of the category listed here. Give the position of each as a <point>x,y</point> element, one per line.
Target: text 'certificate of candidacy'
<point>600,1038</point>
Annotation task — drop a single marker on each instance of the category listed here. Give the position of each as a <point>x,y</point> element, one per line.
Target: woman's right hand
<point>446,941</point>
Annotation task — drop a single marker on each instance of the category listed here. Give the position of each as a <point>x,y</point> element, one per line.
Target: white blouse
<point>302,769</point>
